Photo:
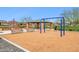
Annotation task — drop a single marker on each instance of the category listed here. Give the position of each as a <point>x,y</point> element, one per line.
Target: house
<point>3,25</point>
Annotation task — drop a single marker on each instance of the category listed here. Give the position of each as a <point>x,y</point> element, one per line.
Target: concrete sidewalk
<point>5,32</point>
<point>7,47</point>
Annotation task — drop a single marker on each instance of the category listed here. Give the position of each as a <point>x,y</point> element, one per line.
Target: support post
<point>61,27</point>
<point>44,26</point>
<point>27,26</point>
<point>51,25</point>
<point>40,26</point>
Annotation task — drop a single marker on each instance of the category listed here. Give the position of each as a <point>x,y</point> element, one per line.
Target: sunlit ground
<point>46,42</point>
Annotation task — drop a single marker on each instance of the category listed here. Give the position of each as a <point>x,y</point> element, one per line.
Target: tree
<point>71,16</point>
<point>27,19</point>
<point>76,15</point>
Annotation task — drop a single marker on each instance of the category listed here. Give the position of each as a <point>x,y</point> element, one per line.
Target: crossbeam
<point>51,18</point>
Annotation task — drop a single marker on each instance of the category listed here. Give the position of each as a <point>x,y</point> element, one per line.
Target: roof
<point>38,22</point>
<point>35,21</point>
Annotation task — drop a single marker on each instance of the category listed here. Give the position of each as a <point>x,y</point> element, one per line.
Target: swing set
<point>62,24</point>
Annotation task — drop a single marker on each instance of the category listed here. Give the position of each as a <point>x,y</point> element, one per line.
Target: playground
<point>44,39</point>
<point>46,42</point>
<point>50,30</point>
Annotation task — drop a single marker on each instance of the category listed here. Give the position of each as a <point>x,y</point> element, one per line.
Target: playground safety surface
<point>46,42</point>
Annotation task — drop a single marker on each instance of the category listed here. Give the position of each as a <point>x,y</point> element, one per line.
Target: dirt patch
<point>47,42</point>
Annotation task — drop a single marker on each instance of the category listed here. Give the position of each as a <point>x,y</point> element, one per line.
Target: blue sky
<point>7,13</point>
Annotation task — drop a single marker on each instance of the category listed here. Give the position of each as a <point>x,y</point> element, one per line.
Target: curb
<point>14,44</point>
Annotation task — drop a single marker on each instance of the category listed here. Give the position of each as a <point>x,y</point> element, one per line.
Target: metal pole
<point>40,26</point>
<point>61,27</point>
<point>44,26</point>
